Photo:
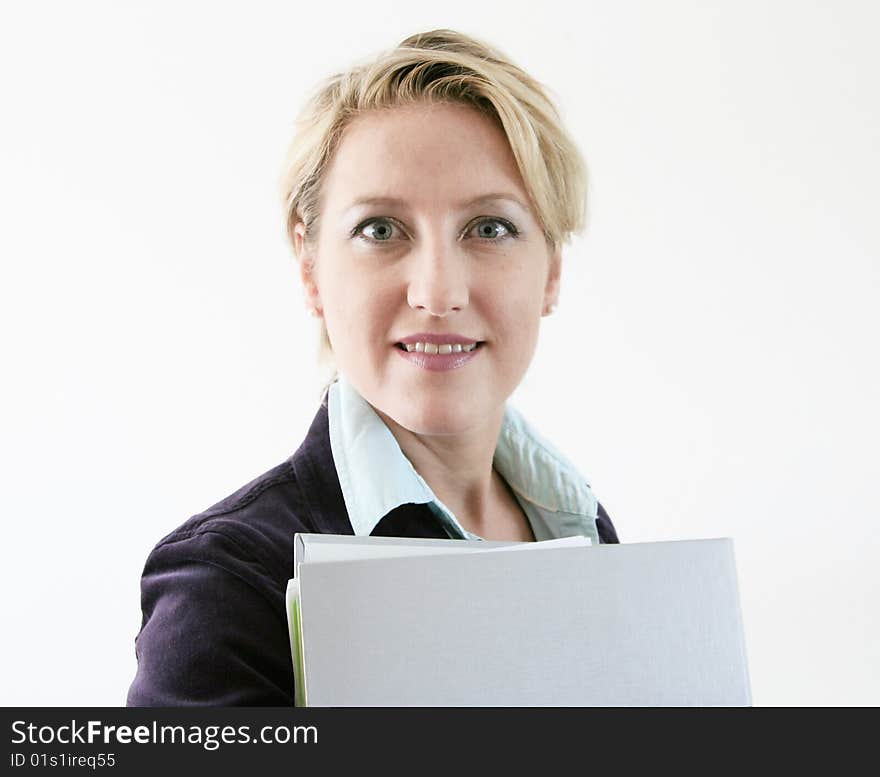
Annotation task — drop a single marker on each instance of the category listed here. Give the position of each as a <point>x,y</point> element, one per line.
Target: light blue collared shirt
<point>376,476</point>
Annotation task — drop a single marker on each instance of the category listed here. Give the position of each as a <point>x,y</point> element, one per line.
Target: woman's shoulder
<point>214,625</point>
<point>607,532</point>
<point>249,532</point>
<point>212,595</point>
<point>253,527</point>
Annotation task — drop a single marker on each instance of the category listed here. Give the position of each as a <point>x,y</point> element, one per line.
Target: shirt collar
<point>361,443</point>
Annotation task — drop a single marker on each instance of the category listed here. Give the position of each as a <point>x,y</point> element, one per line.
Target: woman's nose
<point>438,281</point>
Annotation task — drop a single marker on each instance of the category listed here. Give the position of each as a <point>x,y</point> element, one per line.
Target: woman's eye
<point>488,229</point>
<point>381,230</point>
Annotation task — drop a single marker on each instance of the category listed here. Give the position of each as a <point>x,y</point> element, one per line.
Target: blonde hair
<point>435,67</point>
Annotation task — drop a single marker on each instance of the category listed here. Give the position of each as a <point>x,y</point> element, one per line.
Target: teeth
<point>444,348</point>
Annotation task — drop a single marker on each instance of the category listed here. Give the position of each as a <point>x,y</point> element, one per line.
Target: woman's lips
<point>439,361</point>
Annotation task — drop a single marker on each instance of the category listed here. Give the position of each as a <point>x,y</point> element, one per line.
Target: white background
<point>712,367</point>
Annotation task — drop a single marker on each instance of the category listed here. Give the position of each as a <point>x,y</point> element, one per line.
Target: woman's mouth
<point>434,348</point>
<point>442,357</point>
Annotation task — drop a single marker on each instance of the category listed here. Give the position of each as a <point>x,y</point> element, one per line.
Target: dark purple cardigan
<point>214,628</point>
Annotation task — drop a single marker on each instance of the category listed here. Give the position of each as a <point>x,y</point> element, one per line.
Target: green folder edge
<point>296,649</point>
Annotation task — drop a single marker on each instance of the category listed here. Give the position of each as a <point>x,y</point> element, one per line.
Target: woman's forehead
<point>506,199</point>
<point>439,153</point>
<point>421,134</point>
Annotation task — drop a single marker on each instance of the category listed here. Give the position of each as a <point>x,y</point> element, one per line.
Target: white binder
<point>467,623</point>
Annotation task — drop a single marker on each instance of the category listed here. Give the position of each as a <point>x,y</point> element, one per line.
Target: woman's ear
<point>306,259</point>
<point>554,275</point>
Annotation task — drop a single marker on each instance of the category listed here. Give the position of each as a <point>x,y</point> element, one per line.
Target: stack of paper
<point>378,621</point>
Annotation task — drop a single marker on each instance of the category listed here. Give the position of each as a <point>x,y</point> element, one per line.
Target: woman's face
<point>425,256</point>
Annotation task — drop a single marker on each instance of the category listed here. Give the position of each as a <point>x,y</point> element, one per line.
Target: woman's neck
<point>458,468</point>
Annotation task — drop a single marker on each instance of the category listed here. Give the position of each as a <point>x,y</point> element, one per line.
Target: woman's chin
<point>434,420</point>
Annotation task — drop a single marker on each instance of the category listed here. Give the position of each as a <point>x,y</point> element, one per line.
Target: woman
<point>428,194</point>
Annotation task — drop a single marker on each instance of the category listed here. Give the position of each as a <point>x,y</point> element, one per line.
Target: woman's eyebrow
<point>482,199</point>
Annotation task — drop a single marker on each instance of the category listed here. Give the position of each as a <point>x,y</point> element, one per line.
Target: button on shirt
<point>376,476</point>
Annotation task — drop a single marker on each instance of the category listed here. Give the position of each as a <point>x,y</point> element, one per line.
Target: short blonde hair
<point>439,66</point>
